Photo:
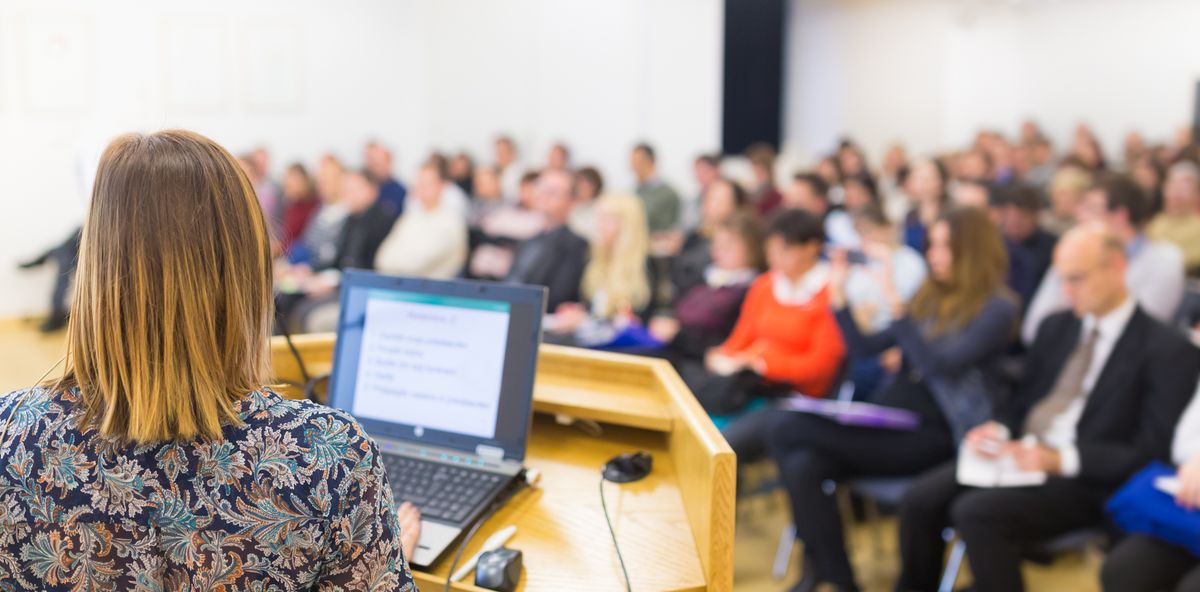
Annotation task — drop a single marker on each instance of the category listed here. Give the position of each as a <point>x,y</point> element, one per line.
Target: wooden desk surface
<point>675,527</point>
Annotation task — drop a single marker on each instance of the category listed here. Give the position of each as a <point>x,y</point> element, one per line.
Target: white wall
<point>931,72</point>
<point>304,77</point>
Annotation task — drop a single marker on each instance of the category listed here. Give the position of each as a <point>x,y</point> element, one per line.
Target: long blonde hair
<point>619,270</point>
<point>170,323</point>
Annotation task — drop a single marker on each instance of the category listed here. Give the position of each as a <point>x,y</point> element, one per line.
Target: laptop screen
<point>447,364</point>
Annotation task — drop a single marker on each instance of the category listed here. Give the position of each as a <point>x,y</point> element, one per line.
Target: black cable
<point>607,520</point>
<point>516,488</point>
<point>287,335</point>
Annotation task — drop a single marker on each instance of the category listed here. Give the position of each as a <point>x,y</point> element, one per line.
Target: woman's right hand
<point>1189,484</point>
<point>410,528</point>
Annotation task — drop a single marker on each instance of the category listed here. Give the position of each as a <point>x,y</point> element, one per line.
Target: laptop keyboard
<point>440,491</point>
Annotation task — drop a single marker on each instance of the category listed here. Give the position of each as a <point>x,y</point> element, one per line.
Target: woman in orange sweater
<point>786,339</point>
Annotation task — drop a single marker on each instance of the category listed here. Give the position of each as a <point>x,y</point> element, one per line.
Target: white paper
<point>977,471</point>
<point>1168,485</point>
<point>432,364</point>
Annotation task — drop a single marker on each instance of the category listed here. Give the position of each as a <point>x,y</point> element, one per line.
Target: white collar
<point>1111,325</point>
<point>800,292</point>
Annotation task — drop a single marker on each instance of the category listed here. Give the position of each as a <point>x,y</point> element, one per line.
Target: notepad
<point>854,413</point>
<point>975,470</point>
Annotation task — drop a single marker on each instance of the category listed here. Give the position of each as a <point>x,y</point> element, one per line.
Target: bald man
<point>1104,386</point>
<point>556,257</point>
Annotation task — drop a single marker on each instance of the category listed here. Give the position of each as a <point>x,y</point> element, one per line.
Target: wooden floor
<point>26,354</point>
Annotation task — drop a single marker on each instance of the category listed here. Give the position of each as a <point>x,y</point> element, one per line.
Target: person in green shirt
<point>663,206</point>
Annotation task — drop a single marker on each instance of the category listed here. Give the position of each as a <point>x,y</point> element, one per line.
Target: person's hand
<point>988,439</point>
<point>410,528</point>
<point>1189,484</point>
<point>1036,457</point>
<point>891,360</point>
<point>839,271</point>
<point>723,365</point>
<point>663,329</point>
<point>569,316</point>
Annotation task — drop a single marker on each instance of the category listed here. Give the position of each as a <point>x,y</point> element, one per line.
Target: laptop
<point>440,374</point>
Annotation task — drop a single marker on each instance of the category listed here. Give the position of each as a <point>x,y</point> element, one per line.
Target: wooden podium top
<point>675,527</point>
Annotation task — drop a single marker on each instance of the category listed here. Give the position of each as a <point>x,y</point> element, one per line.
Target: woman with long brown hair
<point>159,461</point>
<point>951,335</point>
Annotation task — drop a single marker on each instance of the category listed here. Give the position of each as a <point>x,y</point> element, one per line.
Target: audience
<point>502,228</point>
<point>257,169</point>
<point>723,199</point>
<point>300,204</point>
<point>785,339</point>
<point>461,170</point>
<point>810,192</point>
<point>1179,221</point>
<point>430,239</point>
<point>1154,273</point>
<point>588,186</point>
<point>1020,211</point>
<point>704,315</point>
<point>1142,562</point>
<point>559,158</point>
<point>1104,385</point>
<point>952,335</point>
<point>615,289</point>
<point>1067,188</point>
<point>511,171</point>
<point>925,186</point>
<point>378,161</point>
<point>763,194</point>
<point>554,258</point>
<point>661,201</point>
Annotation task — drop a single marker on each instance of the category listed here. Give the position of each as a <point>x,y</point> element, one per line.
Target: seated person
<point>502,229</point>
<point>392,194</point>
<point>1019,212</point>
<point>555,258</point>
<point>722,199</point>
<point>366,226</point>
<point>487,197</point>
<point>1142,562</point>
<point>430,238</point>
<point>785,339</point>
<point>951,335</point>
<point>866,298</point>
<point>164,460</point>
<point>1104,385</point>
<point>925,186</point>
<point>1066,190</point>
<point>660,200</point>
<point>1179,222</point>
<point>615,286</point>
<point>704,316</point>
<point>589,185</point>
<point>1154,274</point>
<point>300,203</point>
<point>977,193</point>
<point>810,193</point>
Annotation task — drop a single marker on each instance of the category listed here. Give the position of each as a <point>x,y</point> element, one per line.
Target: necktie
<point>1067,388</point>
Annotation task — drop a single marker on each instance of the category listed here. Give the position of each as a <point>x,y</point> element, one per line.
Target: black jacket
<point>1139,395</point>
<point>555,259</point>
<point>361,236</point>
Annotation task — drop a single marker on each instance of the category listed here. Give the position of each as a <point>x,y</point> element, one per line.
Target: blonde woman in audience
<point>615,283</point>
<point>1179,222</point>
<point>1066,195</point>
<point>430,239</point>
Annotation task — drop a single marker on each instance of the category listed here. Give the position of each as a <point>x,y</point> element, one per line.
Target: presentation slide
<point>432,361</point>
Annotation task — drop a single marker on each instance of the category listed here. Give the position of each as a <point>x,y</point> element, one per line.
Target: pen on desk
<point>494,542</point>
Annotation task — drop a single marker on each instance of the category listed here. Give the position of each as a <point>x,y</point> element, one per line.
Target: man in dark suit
<point>1104,386</point>
<point>556,257</point>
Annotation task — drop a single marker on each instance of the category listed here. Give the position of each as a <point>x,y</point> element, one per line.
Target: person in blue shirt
<point>392,193</point>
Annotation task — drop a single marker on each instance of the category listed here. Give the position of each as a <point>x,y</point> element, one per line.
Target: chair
<point>1076,540</point>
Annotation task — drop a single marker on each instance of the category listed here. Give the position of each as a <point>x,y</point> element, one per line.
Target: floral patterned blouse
<point>294,499</point>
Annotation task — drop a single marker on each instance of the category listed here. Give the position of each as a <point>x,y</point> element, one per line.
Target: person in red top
<point>786,338</point>
<point>300,204</point>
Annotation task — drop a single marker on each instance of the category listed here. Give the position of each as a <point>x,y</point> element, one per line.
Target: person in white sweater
<point>430,239</point>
